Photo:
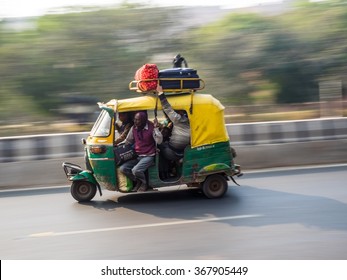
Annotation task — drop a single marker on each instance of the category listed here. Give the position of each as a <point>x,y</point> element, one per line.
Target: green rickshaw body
<point>198,163</point>
<point>208,156</point>
<point>99,150</point>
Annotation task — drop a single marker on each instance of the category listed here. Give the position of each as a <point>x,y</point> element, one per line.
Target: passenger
<point>127,122</point>
<point>166,123</point>
<point>144,135</point>
<point>164,166</point>
<point>166,132</point>
<point>173,150</point>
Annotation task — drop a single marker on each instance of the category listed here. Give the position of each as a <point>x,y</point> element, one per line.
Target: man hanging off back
<point>180,135</point>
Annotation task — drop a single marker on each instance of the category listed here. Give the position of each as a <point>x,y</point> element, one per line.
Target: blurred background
<point>265,60</point>
<point>278,60</point>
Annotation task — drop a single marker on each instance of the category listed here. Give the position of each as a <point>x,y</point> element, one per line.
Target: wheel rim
<point>84,189</point>
<point>216,186</point>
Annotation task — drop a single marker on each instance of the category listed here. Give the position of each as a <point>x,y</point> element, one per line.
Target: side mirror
<point>84,142</point>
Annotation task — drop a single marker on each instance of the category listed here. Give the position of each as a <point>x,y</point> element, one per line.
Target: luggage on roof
<point>177,79</point>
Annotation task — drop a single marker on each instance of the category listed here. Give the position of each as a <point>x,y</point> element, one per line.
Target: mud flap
<point>232,178</point>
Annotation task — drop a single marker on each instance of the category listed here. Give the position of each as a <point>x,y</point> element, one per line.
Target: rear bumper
<point>71,169</point>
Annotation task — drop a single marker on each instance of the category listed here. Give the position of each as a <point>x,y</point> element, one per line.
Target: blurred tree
<point>96,53</point>
<point>93,53</point>
<point>292,51</point>
<point>232,49</point>
<point>291,69</point>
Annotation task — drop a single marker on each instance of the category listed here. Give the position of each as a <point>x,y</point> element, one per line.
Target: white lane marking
<point>182,222</point>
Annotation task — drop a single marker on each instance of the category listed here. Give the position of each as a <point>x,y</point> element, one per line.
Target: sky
<point>23,8</point>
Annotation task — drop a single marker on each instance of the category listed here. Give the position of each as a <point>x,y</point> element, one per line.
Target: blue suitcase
<point>179,79</point>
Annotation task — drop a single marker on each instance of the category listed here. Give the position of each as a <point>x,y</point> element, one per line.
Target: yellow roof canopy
<point>206,119</point>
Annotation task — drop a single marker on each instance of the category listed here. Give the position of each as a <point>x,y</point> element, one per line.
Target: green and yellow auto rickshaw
<point>207,163</point>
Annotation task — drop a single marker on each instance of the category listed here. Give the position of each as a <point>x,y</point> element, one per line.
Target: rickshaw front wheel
<point>215,186</point>
<point>83,191</point>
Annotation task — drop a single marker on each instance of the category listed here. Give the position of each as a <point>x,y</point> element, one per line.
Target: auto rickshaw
<point>207,163</point>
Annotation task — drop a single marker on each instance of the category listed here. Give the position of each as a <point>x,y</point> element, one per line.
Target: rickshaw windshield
<point>102,126</point>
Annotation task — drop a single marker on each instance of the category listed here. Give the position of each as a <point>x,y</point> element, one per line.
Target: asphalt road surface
<point>298,213</point>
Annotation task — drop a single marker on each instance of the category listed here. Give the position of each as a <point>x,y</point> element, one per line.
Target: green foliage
<point>292,51</point>
<point>96,53</point>
<point>91,53</point>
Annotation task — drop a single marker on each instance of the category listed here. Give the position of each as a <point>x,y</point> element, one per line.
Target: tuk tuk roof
<point>206,117</point>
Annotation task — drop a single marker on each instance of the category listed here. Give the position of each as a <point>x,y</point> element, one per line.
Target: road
<point>274,215</point>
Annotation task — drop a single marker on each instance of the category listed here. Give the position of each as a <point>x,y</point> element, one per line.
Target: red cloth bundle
<point>147,71</point>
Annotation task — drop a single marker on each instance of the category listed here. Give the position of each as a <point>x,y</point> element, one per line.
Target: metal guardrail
<point>54,146</point>
<point>40,147</point>
<point>287,131</point>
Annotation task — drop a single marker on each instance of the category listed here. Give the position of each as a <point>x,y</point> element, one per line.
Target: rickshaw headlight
<point>97,149</point>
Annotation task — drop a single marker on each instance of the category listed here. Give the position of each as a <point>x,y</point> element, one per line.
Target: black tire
<point>83,191</point>
<point>215,186</point>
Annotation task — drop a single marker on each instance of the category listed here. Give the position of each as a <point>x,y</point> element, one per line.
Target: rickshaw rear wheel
<point>83,191</point>
<point>215,186</point>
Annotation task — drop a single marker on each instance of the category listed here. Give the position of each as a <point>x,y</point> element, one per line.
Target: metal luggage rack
<point>133,85</point>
